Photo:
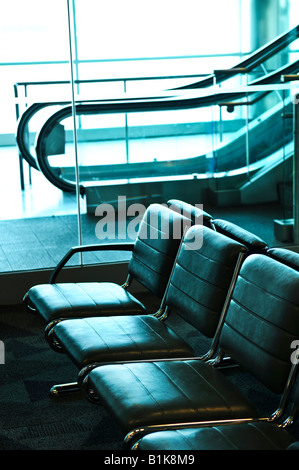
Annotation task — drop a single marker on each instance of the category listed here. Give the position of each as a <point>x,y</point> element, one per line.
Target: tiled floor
<point>39,224</point>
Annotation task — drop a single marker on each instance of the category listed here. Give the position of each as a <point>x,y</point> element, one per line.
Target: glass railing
<point>118,124</point>
<point>212,140</point>
<point>228,144</point>
<point>222,120</point>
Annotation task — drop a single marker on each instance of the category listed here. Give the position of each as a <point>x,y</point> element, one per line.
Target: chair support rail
<point>130,439</point>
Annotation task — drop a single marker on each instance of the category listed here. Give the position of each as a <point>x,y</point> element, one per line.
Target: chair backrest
<point>156,246</point>
<point>202,277</point>
<point>262,320</point>
<point>286,256</point>
<point>253,243</point>
<point>196,214</point>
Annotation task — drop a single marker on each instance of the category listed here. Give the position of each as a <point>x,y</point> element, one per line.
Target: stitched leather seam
<point>87,294</point>
<point>153,249</point>
<point>127,366</point>
<point>200,278</point>
<point>63,295</point>
<point>85,320</point>
<point>168,221</point>
<point>216,390</point>
<point>199,253</point>
<point>149,267</point>
<point>143,240</point>
<point>155,332</point>
<point>192,298</point>
<point>98,304</point>
<point>186,439</point>
<point>257,316</point>
<point>159,252</point>
<point>249,281</point>
<point>182,391</point>
<point>226,438</point>
<point>258,346</point>
<point>137,345</point>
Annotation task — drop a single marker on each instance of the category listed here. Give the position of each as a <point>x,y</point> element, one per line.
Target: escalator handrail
<point>122,106</point>
<point>275,76</point>
<point>113,107</point>
<point>22,127</point>
<point>254,59</point>
<point>163,103</point>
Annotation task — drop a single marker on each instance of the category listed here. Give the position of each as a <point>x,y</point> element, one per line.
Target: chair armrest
<point>86,248</point>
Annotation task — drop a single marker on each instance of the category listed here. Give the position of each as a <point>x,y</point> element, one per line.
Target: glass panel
<point>141,157</point>
<point>254,163</point>
<point>195,153</point>
<point>117,55</point>
<point>34,52</point>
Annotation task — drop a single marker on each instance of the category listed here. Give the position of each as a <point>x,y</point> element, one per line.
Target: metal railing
<point>92,107</point>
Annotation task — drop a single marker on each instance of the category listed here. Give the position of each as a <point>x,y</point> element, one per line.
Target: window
<point>113,39</point>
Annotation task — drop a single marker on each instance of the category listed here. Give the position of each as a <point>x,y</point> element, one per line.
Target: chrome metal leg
<point>58,391</point>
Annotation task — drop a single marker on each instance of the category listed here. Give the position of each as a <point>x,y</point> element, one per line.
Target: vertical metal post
<point>296,170</point>
<point>247,140</point>
<point>21,166</point>
<point>75,130</point>
<point>126,128</point>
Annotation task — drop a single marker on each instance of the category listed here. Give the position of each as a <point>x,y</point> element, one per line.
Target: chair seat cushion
<point>167,392</point>
<point>243,436</point>
<point>73,300</point>
<point>119,338</point>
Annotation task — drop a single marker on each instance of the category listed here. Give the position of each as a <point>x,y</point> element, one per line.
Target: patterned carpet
<point>31,420</point>
<point>38,243</point>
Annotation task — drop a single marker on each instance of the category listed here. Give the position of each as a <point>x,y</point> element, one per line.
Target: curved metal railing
<point>229,156</point>
<point>251,62</point>
<point>174,100</point>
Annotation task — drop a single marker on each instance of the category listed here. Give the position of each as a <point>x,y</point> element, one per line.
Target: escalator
<point>265,131</point>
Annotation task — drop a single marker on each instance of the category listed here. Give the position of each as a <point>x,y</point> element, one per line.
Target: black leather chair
<point>205,269</point>
<point>255,435</point>
<point>286,256</point>
<point>260,325</point>
<point>196,214</point>
<point>255,243</point>
<point>153,255</point>
<point>250,435</point>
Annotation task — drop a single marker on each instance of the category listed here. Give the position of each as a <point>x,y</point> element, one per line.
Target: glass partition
<point>108,107</point>
<point>142,153</point>
<point>38,222</point>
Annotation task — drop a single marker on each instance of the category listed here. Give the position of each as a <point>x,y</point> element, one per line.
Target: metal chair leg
<point>58,391</point>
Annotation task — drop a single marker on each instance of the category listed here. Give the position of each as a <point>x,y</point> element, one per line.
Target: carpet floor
<point>31,420</point>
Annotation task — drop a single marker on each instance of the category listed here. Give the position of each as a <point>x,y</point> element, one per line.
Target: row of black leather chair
<point>260,325</point>
<point>231,288</point>
<point>151,263</point>
<point>198,289</point>
<point>152,257</point>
